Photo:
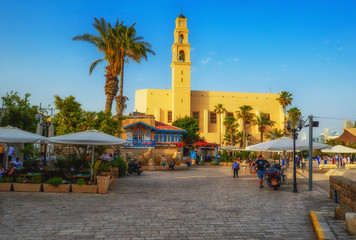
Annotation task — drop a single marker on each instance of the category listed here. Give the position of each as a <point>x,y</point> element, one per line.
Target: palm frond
<point>94,64</point>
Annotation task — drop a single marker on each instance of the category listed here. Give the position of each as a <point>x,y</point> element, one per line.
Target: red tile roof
<point>163,126</point>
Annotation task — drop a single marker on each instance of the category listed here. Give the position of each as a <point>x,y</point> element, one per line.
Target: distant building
<point>303,136</point>
<point>326,132</point>
<point>347,124</point>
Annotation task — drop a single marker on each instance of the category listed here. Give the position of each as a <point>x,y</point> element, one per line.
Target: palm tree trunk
<point>261,136</point>
<point>244,133</point>
<point>219,128</point>
<point>120,100</point>
<point>111,88</point>
<point>284,124</point>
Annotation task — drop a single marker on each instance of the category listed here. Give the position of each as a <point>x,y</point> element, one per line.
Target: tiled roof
<point>163,126</point>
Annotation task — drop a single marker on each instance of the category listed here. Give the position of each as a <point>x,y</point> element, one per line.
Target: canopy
<point>284,144</point>
<point>349,135</point>
<point>89,137</point>
<point>339,149</point>
<point>11,134</point>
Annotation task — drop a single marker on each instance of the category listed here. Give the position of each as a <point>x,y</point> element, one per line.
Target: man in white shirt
<point>10,153</point>
<point>17,163</point>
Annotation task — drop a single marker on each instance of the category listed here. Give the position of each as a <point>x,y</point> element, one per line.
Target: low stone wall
<point>346,191</point>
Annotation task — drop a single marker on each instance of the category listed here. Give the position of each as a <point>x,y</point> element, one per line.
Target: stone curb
<point>321,227</point>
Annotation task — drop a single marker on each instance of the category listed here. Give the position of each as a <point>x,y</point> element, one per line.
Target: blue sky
<point>305,47</point>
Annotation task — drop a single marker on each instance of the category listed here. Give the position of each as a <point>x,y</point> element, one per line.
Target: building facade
<point>168,105</point>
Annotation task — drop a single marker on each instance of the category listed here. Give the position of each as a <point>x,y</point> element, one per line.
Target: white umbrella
<point>284,144</point>
<point>15,135</point>
<point>89,137</point>
<point>339,149</point>
<point>11,134</point>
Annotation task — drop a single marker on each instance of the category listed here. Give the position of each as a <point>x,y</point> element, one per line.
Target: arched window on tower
<point>181,56</point>
<point>181,38</point>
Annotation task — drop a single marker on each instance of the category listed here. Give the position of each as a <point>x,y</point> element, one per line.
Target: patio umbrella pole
<point>92,164</point>
<point>7,156</point>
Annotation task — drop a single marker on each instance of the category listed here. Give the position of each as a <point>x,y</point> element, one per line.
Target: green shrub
<point>35,179</point>
<point>104,166</point>
<point>20,179</point>
<point>80,181</point>
<point>6,180</point>
<point>55,181</point>
<point>214,162</point>
<point>121,164</point>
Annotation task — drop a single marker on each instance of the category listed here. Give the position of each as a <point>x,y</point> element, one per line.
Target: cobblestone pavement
<point>201,203</point>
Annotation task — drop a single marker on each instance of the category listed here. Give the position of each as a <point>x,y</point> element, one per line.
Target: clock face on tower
<point>181,23</point>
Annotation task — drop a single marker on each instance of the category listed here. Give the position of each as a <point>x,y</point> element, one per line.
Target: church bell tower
<point>181,70</point>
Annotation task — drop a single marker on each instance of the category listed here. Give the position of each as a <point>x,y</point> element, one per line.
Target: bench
<point>327,166</point>
<point>350,166</point>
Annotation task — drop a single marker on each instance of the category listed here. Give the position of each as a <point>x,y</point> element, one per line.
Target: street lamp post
<point>45,124</point>
<point>294,130</point>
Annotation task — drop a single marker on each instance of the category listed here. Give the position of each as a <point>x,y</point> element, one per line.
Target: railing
<point>141,143</point>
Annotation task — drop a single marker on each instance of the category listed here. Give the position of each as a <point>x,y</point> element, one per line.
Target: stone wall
<point>346,191</point>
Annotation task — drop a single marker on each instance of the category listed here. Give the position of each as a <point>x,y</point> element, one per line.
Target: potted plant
<point>27,185</point>
<point>103,183</point>
<point>83,186</point>
<point>119,167</point>
<point>5,184</point>
<point>56,184</point>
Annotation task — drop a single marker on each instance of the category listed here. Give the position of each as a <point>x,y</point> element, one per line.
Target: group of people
<point>338,159</point>
<point>258,166</point>
<point>172,163</point>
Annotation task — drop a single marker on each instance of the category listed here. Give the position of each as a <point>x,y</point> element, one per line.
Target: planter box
<point>51,188</point>
<point>84,188</point>
<point>27,187</point>
<point>103,183</point>
<point>5,186</point>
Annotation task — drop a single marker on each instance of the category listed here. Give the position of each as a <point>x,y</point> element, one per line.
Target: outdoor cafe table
<point>30,174</point>
<point>81,175</point>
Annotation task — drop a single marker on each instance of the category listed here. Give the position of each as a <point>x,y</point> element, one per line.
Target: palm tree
<point>219,109</point>
<point>294,114</point>
<point>262,121</point>
<point>131,47</point>
<point>106,44</point>
<point>274,134</point>
<point>231,126</point>
<point>285,99</point>
<point>246,116</point>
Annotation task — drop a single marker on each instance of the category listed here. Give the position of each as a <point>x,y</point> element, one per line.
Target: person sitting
<point>172,163</point>
<point>12,170</point>
<point>1,170</point>
<point>17,163</point>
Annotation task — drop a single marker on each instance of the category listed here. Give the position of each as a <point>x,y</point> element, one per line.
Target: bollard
<point>335,194</point>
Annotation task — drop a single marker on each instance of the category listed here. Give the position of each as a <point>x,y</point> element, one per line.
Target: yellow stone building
<point>168,105</point>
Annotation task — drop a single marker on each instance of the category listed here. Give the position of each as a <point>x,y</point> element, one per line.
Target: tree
<point>274,134</point>
<point>130,47</point>
<point>219,109</point>
<point>72,118</point>
<point>231,127</point>
<point>18,112</point>
<point>191,125</point>
<point>262,121</point>
<point>246,116</point>
<point>294,114</point>
<point>69,116</point>
<point>106,44</point>
<point>285,99</point>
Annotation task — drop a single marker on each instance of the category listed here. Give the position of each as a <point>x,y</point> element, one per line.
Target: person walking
<point>10,153</point>
<point>236,168</point>
<point>163,163</point>
<point>244,165</point>
<point>261,165</point>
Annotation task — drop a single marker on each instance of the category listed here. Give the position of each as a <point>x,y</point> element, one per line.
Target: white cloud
<point>192,49</point>
<point>205,61</point>
<point>236,59</point>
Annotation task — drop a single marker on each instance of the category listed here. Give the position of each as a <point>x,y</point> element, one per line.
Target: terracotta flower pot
<point>60,188</point>
<point>84,188</point>
<point>103,183</point>
<point>5,186</point>
<point>27,187</point>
